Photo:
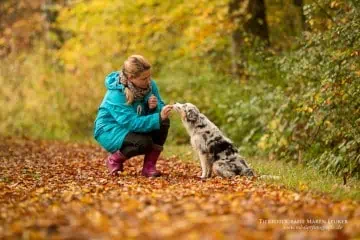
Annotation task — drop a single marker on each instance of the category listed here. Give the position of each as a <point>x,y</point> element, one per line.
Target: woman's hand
<point>152,102</point>
<point>165,112</point>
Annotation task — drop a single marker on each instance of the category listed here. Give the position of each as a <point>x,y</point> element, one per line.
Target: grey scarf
<point>139,93</point>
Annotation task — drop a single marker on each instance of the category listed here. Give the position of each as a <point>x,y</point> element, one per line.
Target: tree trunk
<point>300,4</point>
<point>249,17</point>
<point>257,24</point>
<point>46,10</point>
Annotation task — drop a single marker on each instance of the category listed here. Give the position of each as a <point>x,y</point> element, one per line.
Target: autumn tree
<point>20,23</point>
<point>249,19</point>
<point>23,22</point>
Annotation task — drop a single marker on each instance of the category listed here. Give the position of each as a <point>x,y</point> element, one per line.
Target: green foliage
<point>322,114</point>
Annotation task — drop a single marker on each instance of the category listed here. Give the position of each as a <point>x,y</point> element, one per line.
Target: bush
<point>322,115</point>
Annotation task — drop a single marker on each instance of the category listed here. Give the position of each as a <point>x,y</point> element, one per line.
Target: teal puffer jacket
<point>115,119</point>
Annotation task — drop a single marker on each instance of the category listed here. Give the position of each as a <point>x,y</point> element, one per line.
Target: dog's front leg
<point>206,166</point>
<point>198,144</point>
<point>203,164</point>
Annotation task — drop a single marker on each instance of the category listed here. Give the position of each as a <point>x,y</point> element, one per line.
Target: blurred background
<point>279,77</point>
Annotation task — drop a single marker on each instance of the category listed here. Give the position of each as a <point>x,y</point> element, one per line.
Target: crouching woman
<point>132,118</point>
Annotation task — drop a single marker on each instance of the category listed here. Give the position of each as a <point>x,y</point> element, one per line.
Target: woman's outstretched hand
<point>165,112</point>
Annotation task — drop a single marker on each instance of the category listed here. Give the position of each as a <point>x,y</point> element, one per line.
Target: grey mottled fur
<point>216,152</point>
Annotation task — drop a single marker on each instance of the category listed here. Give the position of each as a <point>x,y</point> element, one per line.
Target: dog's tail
<point>273,177</point>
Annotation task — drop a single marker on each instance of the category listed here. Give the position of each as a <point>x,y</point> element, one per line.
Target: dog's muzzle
<point>178,107</point>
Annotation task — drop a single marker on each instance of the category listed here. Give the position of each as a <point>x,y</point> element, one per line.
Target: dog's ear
<point>191,115</point>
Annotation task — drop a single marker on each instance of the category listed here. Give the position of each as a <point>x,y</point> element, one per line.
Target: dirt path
<point>62,191</point>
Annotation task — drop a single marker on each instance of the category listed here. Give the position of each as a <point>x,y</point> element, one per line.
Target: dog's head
<point>189,112</point>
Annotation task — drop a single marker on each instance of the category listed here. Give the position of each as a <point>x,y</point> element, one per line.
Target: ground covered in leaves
<point>56,190</point>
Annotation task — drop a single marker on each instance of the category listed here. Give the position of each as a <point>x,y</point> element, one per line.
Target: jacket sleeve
<point>126,117</point>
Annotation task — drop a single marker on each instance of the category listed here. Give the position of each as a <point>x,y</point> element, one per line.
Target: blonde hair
<point>133,67</point>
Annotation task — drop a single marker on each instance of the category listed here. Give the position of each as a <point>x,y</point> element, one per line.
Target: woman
<point>132,118</point>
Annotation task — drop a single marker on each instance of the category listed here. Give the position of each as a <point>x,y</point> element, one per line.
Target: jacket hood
<point>112,81</point>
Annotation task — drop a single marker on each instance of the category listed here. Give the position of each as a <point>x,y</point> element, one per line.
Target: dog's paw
<point>202,177</point>
<point>249,173</point>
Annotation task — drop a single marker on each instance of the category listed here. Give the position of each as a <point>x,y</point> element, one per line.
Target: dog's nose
<point>177,106</point>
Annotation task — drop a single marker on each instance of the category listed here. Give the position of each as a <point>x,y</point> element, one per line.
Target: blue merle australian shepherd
<point>216,152</point>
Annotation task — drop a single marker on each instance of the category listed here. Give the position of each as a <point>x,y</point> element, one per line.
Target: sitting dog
<point>215,151</point>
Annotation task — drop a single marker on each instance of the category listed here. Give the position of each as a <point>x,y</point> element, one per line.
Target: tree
<point>24,22</point>
<point>249,19</point>
<point>299,4</point>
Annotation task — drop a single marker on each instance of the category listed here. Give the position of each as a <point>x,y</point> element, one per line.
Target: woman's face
<point>143,80</point>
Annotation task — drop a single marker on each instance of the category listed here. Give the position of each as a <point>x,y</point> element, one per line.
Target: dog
<point>215,151</point>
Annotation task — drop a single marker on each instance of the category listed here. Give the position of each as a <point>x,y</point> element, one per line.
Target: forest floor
<point>55,190</point>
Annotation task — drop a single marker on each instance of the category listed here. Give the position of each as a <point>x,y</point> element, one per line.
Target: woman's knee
<point>145,144</point>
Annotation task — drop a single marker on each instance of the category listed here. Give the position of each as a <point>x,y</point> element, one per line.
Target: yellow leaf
<point>86,199</point>
<point>303,187</point>
<point>274,124</point>
<point>283,141</point>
